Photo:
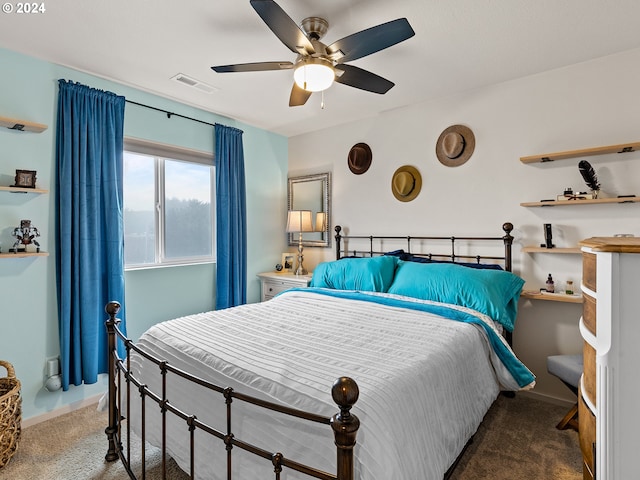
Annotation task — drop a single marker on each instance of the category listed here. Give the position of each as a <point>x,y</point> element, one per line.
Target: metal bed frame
<point>344,424</point>
<point>344,390</point>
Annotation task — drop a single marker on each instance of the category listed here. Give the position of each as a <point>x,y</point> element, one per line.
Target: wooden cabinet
<point>273,283</point>
<point>609,387</point>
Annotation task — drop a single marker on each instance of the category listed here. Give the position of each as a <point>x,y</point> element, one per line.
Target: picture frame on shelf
<point>25,179</point>
<point>288,259</point>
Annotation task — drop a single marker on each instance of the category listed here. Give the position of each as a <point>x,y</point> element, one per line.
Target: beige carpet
<point>517,441</point>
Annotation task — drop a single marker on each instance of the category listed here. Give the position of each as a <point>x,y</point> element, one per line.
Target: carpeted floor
<point>517,441</point>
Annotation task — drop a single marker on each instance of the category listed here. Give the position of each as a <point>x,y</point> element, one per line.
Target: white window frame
<point>160,152</point>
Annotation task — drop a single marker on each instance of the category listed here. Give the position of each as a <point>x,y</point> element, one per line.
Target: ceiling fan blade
<point>283,26</point>
<point>371,40</point>
<point>362,79</point>
<point>253,67</point>
<point>299,96</point>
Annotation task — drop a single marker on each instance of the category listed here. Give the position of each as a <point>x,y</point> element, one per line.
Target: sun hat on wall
<point>406,183</point>
<point>455,145</point>
<point>359,158</point>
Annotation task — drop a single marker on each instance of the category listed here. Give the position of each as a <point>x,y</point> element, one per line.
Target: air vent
<point>193,83</point>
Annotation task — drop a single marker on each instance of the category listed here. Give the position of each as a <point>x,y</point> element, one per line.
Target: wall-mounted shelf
<point>584,152</point>
<point>551,297</point>
<point>23,190</point>
<point>24,254</point>
<point>564,203</point>
<point>551,250</point>
<point>22,125</point>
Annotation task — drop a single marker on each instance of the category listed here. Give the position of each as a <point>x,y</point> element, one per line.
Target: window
<point>168,206</point>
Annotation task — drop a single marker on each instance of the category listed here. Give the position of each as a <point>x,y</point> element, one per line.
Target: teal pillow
<point>492,292</point>
<point>373,274</point>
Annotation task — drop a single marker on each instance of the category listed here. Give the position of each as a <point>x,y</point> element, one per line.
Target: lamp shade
<point>299,221</point>
<point>321,222</point>
<point>314,74</point>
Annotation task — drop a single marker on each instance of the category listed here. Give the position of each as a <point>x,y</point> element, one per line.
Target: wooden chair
<point>567,368</point>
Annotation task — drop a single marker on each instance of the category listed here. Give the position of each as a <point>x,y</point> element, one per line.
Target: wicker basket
<point>10,414</point>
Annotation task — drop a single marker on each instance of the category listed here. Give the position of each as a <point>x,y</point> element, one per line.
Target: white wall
<point>585,105</point>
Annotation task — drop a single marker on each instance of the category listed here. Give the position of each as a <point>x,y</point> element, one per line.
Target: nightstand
<point>275,282</point>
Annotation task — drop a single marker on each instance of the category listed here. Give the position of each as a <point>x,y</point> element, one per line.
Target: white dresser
<point>273,283</point>
<point>610,385</point>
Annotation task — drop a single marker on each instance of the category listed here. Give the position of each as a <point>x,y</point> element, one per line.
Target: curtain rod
<point>169,113</point>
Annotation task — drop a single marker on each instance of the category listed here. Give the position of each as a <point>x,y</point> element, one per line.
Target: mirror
<point>312,192</point>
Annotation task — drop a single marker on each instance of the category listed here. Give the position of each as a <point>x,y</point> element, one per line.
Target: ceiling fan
<point>317,65</point>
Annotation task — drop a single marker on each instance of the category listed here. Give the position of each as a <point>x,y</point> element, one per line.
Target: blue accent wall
<point>28,319</point>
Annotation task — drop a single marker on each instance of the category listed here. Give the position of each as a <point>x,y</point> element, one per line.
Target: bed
<point>383,368</point>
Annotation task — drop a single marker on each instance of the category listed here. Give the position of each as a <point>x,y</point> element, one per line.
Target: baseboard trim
<point>547,398</point>
<point>62,410</point>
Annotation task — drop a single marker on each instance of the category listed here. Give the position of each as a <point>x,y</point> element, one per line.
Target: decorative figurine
<point>25,235</point>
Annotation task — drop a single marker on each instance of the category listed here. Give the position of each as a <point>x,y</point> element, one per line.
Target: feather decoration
<point>589,175</point>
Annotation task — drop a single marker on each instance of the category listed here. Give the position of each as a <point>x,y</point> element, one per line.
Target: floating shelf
<point>551,250</point>
<point>24,254</point>
<point>555,203</point>
<point>22,125</point>
<point>584,152</point>
<point>551,297</point>
<point>23,190</point>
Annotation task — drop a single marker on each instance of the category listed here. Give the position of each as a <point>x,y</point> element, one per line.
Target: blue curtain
<point>89,227</point>
<point>231,218</point>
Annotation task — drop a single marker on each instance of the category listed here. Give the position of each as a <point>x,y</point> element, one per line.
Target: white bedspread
<point>425,382</point>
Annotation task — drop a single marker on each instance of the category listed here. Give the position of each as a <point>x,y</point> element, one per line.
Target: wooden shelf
<point>24,254</point>
<point>22,125</point>
<point>584,152</point>
<point>551,250</point>
<point>551,297</point>
<point>23,190</point>
<point>555,203</point>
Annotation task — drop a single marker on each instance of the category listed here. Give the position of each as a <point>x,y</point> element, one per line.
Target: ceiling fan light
<point>314,74</point>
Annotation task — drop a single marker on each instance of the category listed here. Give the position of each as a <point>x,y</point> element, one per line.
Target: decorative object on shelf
<point>406,183</point>
<point>455,145</point>
<point>25,179</point>
<point>550,287</point>
<point>548,238</point>
<point>569,288</point>
<point>25,235</point>
<point>279,267</point>
<point>299,221</point>
<point>359,158</point>
<point>590,177</point>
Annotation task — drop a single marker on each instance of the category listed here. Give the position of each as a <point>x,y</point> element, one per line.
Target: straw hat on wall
<point>406,183</point>
<point>455,145</point>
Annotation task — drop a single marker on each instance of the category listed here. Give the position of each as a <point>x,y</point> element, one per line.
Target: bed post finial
<point>338,238</point>
<point>112,308</point>
<point>345,425</point>
<point>507,227</point>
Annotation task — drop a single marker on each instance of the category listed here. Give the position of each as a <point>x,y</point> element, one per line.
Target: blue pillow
<point>409,257</point>
<point>492,292</point>
<point>373,274</point>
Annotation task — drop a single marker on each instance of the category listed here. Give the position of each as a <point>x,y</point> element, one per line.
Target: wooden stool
<point>567,368</point>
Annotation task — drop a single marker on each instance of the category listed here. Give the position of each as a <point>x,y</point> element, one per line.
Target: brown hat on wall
<point>359,158</point>
<point>406,183</point>
<point>455,145</point>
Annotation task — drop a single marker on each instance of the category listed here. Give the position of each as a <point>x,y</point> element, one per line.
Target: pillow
<point>373,274</point>
<point>409,257</point>
<point>492,292</point>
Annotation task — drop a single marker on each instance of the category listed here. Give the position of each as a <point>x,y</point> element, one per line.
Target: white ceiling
<point>459,45</point>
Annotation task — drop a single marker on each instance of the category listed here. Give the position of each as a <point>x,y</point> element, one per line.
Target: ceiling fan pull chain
<point>322,101</point>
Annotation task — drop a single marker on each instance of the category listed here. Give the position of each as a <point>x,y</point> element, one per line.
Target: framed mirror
<point>312,192</point>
